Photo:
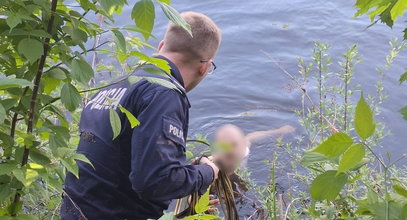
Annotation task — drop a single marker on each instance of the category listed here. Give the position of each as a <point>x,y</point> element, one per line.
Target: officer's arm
<point>158,169</point>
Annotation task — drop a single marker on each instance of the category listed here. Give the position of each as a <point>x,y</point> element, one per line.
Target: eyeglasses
<point>211,69</point>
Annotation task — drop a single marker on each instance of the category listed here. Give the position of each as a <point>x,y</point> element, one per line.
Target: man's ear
<point>160,45</point>
<point>204,68</point>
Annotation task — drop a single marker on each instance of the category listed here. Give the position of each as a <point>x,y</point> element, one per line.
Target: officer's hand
<point>215,169</point>
<point>212,204</point>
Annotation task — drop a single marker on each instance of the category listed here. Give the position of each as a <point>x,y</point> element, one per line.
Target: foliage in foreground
<point>351,179</point>
<point>388,12</point>
<point>340,176</point>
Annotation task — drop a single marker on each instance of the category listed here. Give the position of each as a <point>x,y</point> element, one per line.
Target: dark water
<point>248,90</point>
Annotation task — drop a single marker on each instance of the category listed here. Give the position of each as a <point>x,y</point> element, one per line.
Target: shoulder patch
<point>173,130</point>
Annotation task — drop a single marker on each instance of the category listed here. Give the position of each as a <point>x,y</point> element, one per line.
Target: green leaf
<point>160,63</point>
<point>189,155</point>
<point>14,208</point>
<point>82,158</point>
<point>63,152</point>
<point>143,14</point>
<point>35,166</point>
<point>86,4</point>
<point>134,79</point>
<point>71,166</point>
<point>25,217</point>
<point>175,17</point>
<point>81,71</point>
<point>6,83</point>
<point>25,175</point>
<point>154,71</point>
<point>168,2</point>
<point>400,190</point>
<point>364,124</point>
<point>167,216</point>
<point>13,20</point>
<point>133,120</point>
<point>403,77</point>
<point>385,16</point>
<point>360,164</point>
<point>107,5</point>
<point>191,217</point>
<point>6,168</point>
<point>39,157</point>
<point>2,114</point>
<point>334,146</point>
<point>139,30</point>
<point>403,214</point>
<point>115,123</point>
<point>162,82</point>
<point>203,203</point>
<point>70,97</point>
<point>56,142</point>
<point>5,192</point>
<point>403,111</point>
<point>40,33</point>
<point>351,157</point>
<point>379,213</point>
<point>9,103</point>
<point>310,158</point>
<point>6,140</point>
<point>208,217</point>
<point>120,40</point>
<point>328,185</point>
<point>398,9</point>
<point>31,49</point>
<point>57,73</point>
<point>50,84</point>
<point>77,35</point>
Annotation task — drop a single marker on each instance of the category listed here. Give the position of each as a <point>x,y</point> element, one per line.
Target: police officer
<point>137,174</point>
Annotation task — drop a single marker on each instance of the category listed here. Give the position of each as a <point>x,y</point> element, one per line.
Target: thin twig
<point>394,162</point>
<point>375,155</point>
<point>347,69</point>
<point>320,87</point>
<point>289,206</point>
<point>75,205</point>
<point>252,215</point>
<point>302,89</point>
<point>71,58</point>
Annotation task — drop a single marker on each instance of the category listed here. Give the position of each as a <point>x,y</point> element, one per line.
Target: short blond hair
<point>203,44</point>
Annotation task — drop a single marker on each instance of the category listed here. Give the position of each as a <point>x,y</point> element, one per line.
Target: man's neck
<point>177,58</point>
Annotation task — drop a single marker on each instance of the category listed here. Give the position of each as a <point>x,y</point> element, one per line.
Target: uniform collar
<point>174,70</point>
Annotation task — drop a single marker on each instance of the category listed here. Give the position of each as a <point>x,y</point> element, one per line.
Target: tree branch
<point>37,80</point>
<point>83,52</point>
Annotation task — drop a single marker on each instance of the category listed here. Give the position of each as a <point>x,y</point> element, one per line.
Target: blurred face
<point>235,144</point>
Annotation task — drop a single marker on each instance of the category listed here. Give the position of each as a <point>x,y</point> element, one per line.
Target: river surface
<point>249,91</point>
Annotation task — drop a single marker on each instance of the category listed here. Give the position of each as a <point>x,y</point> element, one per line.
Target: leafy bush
<point>45,78</point>
<point>345,178</point>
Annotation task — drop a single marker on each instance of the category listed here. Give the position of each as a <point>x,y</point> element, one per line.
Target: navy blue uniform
<point>136,175</point>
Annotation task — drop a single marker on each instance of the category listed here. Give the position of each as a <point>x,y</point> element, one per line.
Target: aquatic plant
<point>346,177</point>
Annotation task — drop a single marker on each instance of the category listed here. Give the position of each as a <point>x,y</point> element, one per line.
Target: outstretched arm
<point>257,135</point>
